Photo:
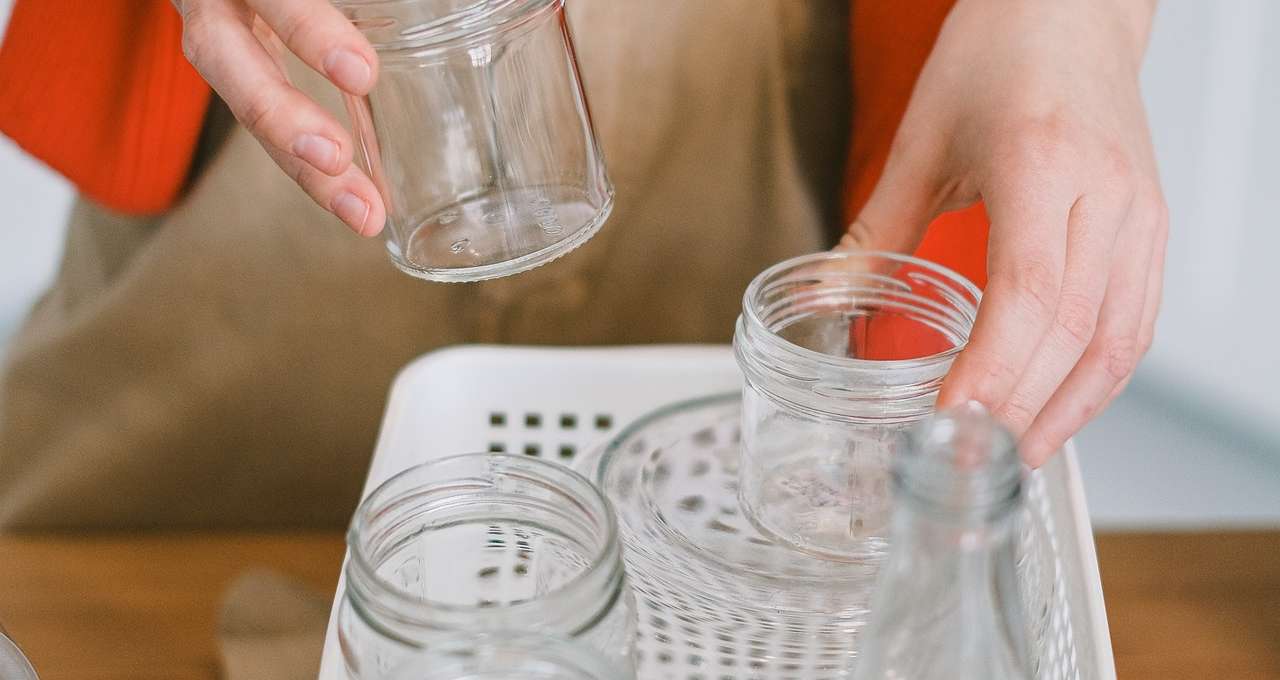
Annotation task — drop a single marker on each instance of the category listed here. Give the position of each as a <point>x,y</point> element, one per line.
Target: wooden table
<point>1194,606</point>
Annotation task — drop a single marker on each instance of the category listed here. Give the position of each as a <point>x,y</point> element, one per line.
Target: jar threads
<point>477,543</point>
<point>839,351</point>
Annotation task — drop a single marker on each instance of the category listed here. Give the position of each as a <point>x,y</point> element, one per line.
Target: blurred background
<point>1195,442</point>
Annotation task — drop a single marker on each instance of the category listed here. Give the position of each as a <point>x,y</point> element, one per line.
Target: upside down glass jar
<point>481,543</point>
<point>840,351</point>
<point>477,135</point>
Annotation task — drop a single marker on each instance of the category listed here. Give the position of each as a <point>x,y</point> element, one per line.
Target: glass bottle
<point>479,543</point>
<point>840,352</point>
<point>946,604</point>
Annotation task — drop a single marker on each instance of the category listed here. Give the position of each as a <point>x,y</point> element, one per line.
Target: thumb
<point>897,213</point>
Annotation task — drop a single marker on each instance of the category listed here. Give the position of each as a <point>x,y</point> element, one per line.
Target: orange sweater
<point>101,92</point>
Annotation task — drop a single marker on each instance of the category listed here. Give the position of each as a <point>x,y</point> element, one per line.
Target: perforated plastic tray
<point>555,403</point>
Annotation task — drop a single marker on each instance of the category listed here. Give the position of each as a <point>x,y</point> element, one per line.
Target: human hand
<point>1034,108</point>
<point>238,47</point>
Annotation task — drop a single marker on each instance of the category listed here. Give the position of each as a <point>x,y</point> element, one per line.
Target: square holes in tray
<point>557,436</point>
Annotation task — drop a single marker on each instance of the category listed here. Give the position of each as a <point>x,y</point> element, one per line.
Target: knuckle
<point>1037,141</point>
<point>1077,317</point>
<point>1119,356</point>
<point>1117,166</point>
<point>294,29</point>
<point>257,110</point>
<point>1084,413</point>
<point>309,179</point>
<point>1035,283</point>
<point>1017,413</point>
<point>994,377</point>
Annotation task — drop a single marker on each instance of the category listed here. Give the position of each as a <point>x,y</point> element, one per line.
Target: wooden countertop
<point>1181,605</point>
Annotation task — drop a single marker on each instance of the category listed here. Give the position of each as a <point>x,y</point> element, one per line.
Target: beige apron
<point>226,364</point>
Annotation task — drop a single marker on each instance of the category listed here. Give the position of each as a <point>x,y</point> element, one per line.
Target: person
<point>212,354</point>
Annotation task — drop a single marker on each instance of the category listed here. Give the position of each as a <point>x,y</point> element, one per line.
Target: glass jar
<point>839,351</point>
<point>508,656</point>
<point>476,543</point>
<point>477,135</point>
<point>13,664</point>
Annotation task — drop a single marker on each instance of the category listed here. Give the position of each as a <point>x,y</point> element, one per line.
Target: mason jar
<point>503,655</point>
<point>13,664</point>
<point>839,352</point>
<point>477,135</point>
<point>480,543</point>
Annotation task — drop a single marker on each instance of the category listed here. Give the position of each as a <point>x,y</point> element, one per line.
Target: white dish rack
<point>557,402</point>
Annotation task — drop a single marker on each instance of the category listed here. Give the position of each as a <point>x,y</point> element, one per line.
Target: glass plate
<point>717,600</point>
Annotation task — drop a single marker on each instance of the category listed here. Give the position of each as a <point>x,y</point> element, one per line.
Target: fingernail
<point>349,70</point>
<point>318,151</point>
<point>351,209</point>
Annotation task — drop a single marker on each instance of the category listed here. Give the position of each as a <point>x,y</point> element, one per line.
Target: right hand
<point>238,47</point>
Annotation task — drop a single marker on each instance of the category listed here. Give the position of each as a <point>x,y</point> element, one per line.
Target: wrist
<point>1121,27</point>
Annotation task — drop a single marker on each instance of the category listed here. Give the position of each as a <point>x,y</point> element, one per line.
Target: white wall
<point>35,204</point>
<point>1213,94</point>
<point>35,207</point>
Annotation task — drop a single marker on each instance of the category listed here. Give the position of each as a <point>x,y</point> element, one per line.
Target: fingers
<point>1114,349</point>
<point>1027,255</point>
<point>345,195</point>
<point>1151,308</point>
<point>903,202</point>
<point>1091,237</point>
<point>219,40</point>
<point>324,39</point>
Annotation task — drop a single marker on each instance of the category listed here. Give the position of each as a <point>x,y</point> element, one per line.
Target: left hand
<point>1034,108</point>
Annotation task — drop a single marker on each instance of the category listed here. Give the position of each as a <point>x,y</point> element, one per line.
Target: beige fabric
<point>226,364</point>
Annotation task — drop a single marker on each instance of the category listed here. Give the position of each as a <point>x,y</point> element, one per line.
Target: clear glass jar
<point>13,664</point>
<point>478,136</point>
<point>508,656</point>
<point>482,542</point>
<point>839,351</point>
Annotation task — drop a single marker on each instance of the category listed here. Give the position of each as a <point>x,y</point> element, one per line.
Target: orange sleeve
<point>99,90</point>
<point>891,41</point>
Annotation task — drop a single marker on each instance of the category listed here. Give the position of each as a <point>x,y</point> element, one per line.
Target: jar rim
<point>605,567</point>
<point>752,317</point>
<point>475,22</point>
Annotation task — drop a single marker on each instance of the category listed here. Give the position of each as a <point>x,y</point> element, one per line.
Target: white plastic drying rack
<point>557,402</point>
